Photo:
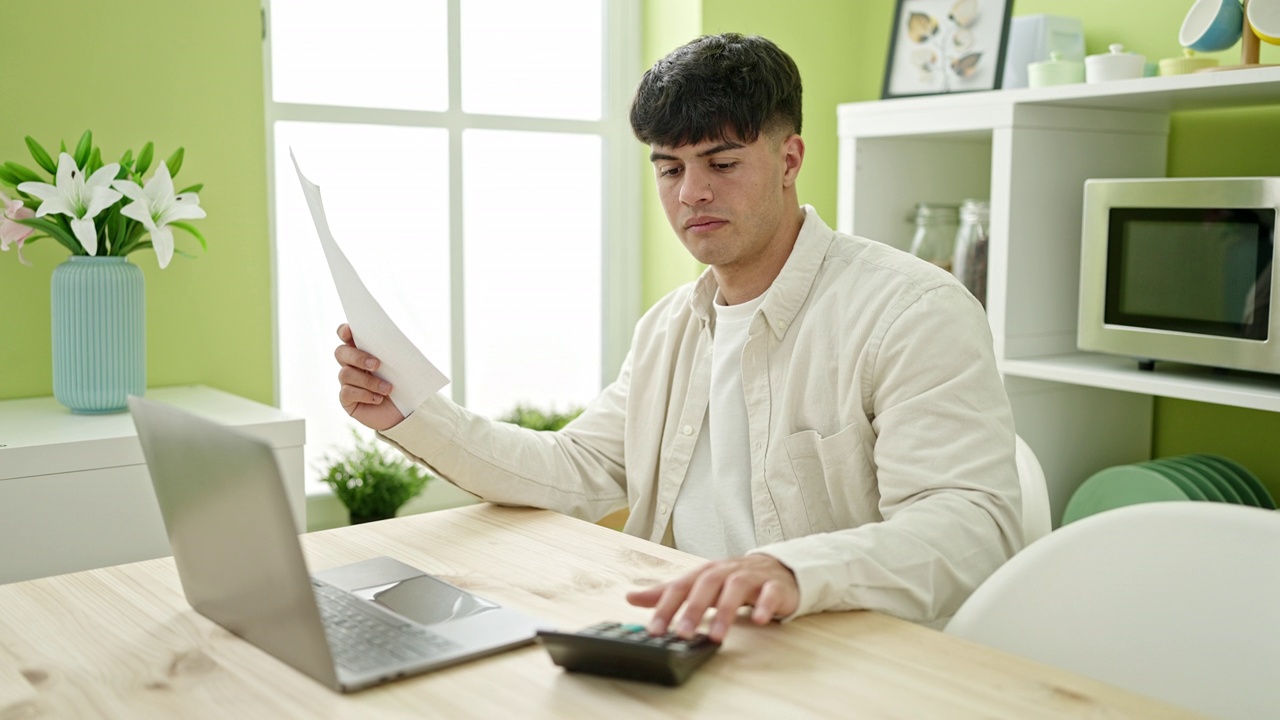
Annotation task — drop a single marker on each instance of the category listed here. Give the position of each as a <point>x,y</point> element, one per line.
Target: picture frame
<point>946,46</point>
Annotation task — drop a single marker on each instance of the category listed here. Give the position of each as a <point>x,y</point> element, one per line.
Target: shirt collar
<point>790,289</point>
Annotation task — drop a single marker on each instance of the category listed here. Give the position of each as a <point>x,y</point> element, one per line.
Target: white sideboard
<point>1029,151</point>
<point>74,489</point>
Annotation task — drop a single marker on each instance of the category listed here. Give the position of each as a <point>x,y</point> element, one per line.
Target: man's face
<point>728,201</point>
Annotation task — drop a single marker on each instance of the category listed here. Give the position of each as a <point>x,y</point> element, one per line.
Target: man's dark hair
<point>718,87</point>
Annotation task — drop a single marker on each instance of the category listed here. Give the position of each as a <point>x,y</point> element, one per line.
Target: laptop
<point>241,565</point>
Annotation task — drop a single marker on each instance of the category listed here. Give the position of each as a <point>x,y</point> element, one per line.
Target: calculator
<point>628,651</point>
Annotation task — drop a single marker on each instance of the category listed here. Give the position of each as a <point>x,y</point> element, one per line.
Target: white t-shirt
<point>712,514</point>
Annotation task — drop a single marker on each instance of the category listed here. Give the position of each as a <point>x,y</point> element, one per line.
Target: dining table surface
<point>122,642</point>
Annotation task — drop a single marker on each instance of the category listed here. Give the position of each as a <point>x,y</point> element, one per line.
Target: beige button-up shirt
<point>880,435</point>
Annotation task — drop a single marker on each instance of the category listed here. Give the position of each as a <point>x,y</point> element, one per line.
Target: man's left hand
<point>758,581</point>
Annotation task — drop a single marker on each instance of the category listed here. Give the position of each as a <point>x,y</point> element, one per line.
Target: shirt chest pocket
<point>832,478</point>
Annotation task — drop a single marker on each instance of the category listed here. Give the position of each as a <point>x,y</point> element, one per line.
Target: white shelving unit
<point>1029,151</point>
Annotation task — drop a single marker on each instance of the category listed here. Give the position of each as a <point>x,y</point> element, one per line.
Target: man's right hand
<point>365,396</point>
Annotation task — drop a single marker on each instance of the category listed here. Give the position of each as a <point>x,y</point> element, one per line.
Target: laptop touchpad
<point>426,600</point>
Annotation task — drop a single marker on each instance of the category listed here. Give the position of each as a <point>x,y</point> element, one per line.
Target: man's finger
<point>672,597</point>
<point>647,597</point>
<point>767,603</point>
<point>738,590</point>
<point>705,592</point>
<point>349,355</point>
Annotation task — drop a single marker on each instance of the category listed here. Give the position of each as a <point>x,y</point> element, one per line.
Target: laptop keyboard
<point>362,638</point>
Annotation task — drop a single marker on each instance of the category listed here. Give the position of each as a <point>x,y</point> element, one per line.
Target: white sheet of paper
<point>412,376</point>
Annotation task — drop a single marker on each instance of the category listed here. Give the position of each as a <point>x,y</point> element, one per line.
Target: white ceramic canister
<point>1055,71</point>
<point>1115,65</point>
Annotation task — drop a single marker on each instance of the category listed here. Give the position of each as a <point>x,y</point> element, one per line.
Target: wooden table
<point>121,642</point>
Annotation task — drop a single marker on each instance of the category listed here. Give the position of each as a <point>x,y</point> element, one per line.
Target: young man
<point>819,413</point>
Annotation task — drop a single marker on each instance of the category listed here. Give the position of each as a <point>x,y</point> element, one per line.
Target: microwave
<point>1179,269</point>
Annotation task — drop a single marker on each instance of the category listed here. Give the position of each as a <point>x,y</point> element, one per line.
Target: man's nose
<point>696,189</point>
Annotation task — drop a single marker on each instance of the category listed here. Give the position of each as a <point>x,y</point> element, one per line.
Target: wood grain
<point>121,642</point>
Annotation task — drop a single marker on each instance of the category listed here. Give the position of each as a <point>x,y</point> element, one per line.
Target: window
<point>479,172</point>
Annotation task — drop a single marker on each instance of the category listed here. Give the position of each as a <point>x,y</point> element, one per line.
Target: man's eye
<point>669,171</point>
<point>723,165</point>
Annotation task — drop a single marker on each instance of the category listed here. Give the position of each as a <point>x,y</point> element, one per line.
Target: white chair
<point>1036,522</point>
<point>1175,600</point>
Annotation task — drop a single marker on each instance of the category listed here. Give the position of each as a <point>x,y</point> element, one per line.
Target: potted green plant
<point>535,419</point>
<point>372,483</point>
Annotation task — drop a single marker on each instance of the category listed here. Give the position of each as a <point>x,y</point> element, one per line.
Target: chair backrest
<point>1036,522</point>
<point>1175,600</point>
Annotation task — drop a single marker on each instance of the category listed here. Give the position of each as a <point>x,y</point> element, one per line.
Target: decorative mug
<point>1212,25</point>
<point>1264,20</point>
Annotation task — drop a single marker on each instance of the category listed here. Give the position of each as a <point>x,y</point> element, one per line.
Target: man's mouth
<point>704,224</point>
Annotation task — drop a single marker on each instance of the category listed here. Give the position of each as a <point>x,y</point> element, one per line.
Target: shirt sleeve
<point>577,470</point>
<point>944,459</point>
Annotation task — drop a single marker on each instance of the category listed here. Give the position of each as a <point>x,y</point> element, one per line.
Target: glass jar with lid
<point>970,260</point>
<point>935,236</point>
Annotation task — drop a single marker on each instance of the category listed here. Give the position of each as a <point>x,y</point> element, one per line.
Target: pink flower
<point>12,233</point>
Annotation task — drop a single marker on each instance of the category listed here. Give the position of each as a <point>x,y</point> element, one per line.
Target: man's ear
<point>792,157</point>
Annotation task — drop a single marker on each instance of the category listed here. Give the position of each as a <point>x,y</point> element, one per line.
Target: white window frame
<point>620,223</point>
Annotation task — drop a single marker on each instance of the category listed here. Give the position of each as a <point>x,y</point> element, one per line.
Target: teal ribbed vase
<point>99,333</point>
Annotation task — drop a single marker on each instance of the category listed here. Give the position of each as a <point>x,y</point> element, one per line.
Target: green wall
<point>177,72</point>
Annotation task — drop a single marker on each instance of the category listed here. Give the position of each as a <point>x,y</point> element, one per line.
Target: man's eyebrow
<point>715,150</point>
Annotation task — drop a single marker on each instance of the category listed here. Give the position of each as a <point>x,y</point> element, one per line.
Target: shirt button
<point>782,326</point>
<point>663,510</point>
<point>688,430</point>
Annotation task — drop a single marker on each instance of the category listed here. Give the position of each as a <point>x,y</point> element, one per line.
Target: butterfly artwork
<point>941,46</point>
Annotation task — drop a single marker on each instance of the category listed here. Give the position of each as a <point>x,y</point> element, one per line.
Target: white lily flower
<point>155,206</point>
<point>77,198</point>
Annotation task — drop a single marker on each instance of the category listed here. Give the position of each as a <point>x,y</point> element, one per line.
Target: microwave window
<point>1193,270</point>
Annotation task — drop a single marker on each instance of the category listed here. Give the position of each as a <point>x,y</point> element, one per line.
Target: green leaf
<point>57,232</point>
<point>112,236</point>
<point>184,254</point>
<point>62,146</point>
<point>42,157</point>
<point>83,148</point>
<point>192,189</point>
<point>189,228</point>
<point>119,226</point>
<point>95,162</point>
<point>144,158</point>
<point>133,246</point>
<point>8,178</point>
<point>134,230</point>
<point>175,162</point>
<point>22,172</point>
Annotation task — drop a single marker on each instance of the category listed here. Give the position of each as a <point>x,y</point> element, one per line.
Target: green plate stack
<point>1207,478</point>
